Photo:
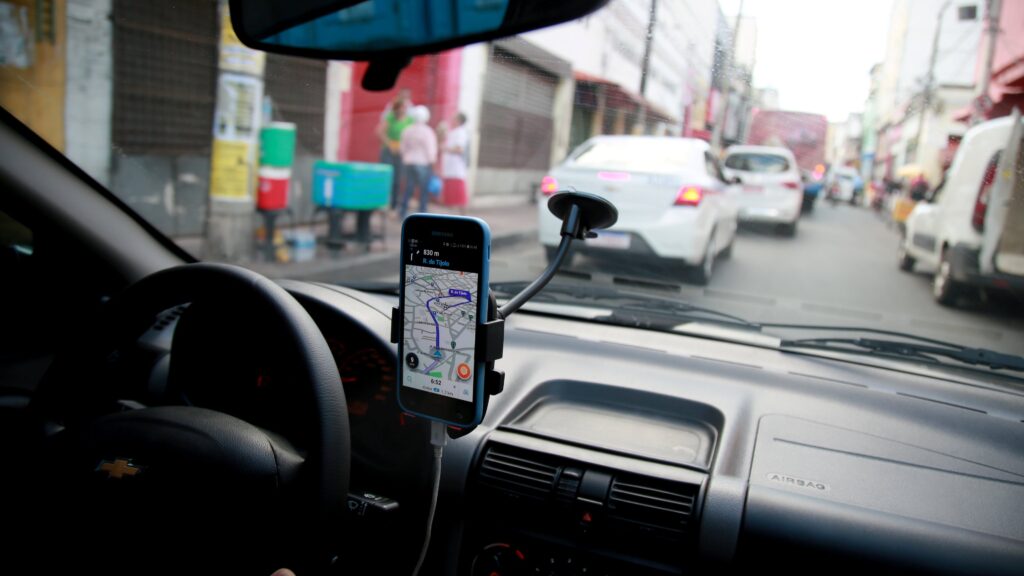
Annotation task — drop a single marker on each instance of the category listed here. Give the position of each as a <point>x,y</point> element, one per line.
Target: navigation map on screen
<point>440,330</point>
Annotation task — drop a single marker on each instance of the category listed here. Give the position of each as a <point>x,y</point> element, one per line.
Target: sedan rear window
<point>752,162</point>
<point>640,154</point>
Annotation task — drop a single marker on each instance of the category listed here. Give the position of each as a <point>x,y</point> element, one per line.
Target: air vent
<point>568,484</point>
<point>651,502</point>
<point>517,470</point>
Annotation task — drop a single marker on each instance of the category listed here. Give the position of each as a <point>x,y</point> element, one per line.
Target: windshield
<point>748,162</point>
<point>289,167</point>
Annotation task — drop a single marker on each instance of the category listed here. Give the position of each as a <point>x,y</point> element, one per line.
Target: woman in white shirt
<point>455,165</point>
<point>419,153</point>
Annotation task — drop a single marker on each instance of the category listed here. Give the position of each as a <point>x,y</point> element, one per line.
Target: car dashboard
<point>615,450</point>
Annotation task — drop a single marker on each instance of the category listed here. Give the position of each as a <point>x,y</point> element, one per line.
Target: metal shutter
<point>165,75</point>
<point>516,122</point>
<point>298,89</point>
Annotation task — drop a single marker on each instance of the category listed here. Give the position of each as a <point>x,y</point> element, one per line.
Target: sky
<point>817,53</point>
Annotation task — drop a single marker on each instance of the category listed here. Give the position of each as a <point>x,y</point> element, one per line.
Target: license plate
<point>759,212</point>
<point>753,189</point>
<point>605,239</point>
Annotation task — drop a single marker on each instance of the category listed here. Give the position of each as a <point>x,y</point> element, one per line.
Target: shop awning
<point>1006,91</point>
<point>619,97</point>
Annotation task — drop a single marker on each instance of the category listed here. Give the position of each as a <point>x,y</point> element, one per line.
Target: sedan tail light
<point>981,202</point>
<point>548,185</point>
<point>792,185</point>
<point>689,196</point>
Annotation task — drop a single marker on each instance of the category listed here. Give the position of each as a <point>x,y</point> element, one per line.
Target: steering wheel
<point>170,485</point>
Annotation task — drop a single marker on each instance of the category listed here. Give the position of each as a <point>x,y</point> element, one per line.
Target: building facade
<point>927,76</point>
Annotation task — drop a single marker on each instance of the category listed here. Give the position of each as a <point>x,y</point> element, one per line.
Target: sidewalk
<point>510,223</point>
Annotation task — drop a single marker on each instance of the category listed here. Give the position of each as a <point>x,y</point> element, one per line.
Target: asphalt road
<point>839,270</point>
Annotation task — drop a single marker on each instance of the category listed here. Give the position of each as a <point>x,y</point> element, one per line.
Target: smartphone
<point>442,303</point>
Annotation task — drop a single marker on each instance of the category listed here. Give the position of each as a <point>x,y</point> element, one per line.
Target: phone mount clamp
<point>581,213</point>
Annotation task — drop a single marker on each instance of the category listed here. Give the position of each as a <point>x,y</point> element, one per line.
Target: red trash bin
<point>273,188</point>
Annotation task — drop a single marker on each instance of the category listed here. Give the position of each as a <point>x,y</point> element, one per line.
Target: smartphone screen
<point>444,299</point>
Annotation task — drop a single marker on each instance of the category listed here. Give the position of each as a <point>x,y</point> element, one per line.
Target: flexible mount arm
<point>571,229</point>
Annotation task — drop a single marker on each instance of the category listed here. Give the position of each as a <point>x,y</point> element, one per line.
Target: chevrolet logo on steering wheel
<point>119,468</point>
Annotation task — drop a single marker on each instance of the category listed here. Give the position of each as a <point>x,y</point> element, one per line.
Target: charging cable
<point>438,439</point>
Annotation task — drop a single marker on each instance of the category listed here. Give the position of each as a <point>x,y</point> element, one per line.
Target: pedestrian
<point>455,165</point>
<point>405,96</point>
<point>918,188</point>
<point>393,121</point>
<point>419,153</point>
<point>442,132</point>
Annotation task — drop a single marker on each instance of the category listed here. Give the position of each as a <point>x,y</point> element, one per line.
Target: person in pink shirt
<point>419,153</point>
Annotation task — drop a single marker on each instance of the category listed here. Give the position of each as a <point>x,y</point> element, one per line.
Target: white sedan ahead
<point>771,190</point>
<point>670,194</point>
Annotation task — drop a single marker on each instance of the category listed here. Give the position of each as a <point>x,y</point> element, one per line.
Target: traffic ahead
<point>841,269</point>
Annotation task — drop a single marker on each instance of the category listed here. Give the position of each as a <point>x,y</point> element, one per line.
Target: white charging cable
<point>438,439</point>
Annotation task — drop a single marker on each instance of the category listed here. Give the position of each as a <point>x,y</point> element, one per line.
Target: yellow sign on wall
<point>229,173</point>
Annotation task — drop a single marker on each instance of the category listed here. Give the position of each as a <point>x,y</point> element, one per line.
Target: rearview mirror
<point>390,30</point>
<point>735,180</point>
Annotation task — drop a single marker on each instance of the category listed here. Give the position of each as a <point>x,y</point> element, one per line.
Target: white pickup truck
<point>971,233</point>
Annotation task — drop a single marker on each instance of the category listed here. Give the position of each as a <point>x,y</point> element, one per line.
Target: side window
<point>19,329</point>
<point>15,245</point>
<point>49,287</point>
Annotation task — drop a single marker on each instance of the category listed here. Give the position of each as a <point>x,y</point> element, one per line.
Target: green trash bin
<point>277,145</point>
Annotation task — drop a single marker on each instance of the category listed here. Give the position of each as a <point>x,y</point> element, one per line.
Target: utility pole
<point>645,64</point>
<point>929,80</point>
<point>993,9</point>
<point>718,134</point>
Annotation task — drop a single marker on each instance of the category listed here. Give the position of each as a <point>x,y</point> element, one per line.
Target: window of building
<point>966,13</point>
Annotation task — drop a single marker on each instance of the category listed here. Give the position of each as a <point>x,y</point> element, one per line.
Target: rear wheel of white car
<point>906,260</point>
<point>945,289</point>
<point>726,252</point>
<point>702,272</point>
<point>788,230</point>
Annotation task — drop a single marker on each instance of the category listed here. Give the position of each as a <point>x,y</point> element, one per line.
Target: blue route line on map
<point>437,328</point>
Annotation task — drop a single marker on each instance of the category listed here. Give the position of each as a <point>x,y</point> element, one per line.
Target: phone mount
<point>581,213</point>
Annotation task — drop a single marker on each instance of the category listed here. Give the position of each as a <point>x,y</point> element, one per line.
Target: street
<point>839,270</point>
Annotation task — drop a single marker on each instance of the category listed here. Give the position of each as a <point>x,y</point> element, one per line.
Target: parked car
<point>671,197</point>
<point>843,184</point>
<point>971,231</point>
<point>770,185</point>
